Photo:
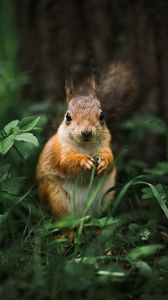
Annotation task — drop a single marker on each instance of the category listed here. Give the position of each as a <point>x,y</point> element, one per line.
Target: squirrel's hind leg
<point>54,197</point>
<point>108,197</point>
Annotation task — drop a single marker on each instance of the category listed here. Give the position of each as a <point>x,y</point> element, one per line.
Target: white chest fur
<point>86,193</point>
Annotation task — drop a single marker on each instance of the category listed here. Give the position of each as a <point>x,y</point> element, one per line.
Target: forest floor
<point>122,255</point>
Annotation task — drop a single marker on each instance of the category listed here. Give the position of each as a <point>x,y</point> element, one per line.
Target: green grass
<point>122,254</point>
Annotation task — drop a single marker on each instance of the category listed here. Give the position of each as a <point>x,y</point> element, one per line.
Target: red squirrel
<point>67,160</point>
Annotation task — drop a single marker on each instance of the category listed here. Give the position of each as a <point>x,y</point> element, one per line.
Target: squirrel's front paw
<point>102,164</point>
<point>87,163</point>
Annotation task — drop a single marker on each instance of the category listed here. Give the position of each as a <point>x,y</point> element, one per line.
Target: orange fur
<point>106,159</point>
<point>65,156</point>
<point>57,201</point>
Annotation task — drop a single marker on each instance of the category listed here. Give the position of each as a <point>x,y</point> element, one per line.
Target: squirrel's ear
<point>68,87</point>
<point>95,81</point>
<point>95,88</point>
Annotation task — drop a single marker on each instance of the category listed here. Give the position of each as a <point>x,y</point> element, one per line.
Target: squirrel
<point>82,147</point>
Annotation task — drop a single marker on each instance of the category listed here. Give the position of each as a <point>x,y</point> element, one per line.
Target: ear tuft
<point>95,81</point>
<point>68,86</point>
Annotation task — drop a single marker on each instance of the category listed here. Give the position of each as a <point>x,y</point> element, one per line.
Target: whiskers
<point>103,132</point>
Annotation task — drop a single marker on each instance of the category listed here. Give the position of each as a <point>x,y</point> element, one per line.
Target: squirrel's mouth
<point>86,139</point>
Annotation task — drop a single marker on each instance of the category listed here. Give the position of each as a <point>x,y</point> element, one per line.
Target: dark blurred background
<point>37,37</point>
<point>104,29</point>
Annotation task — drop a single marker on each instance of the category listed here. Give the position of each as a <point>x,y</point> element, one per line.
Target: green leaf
<point>111,273</point>
<point>11,126</point>
<point>147,193</point>
<point>6,144</point>
<point>144,268</point>
<point>158,194</point>
<point>145,234</point>
<point>160,169</point>
<point>13,185</point>
<point>157,126</point>
<point>28,123</point>
<point>162,262</point>
<point>70,221</point>
<point>134,182</point>
<point>115,272</point>
<point>25,149</point>
<point>27,137</point>
<point>139,252</point>
<point>4,170</point>
<point>102,222</point>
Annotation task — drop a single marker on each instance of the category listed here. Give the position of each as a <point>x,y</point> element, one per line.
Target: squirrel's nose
<point>86,134</point>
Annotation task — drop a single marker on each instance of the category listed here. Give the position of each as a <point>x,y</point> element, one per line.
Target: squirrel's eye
<point>68,117</point>
<point>101,117</point>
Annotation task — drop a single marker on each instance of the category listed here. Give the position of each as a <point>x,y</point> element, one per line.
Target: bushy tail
<point>119,92</point>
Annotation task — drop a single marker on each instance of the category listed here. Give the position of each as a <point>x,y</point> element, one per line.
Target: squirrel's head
<point>84,119</point>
